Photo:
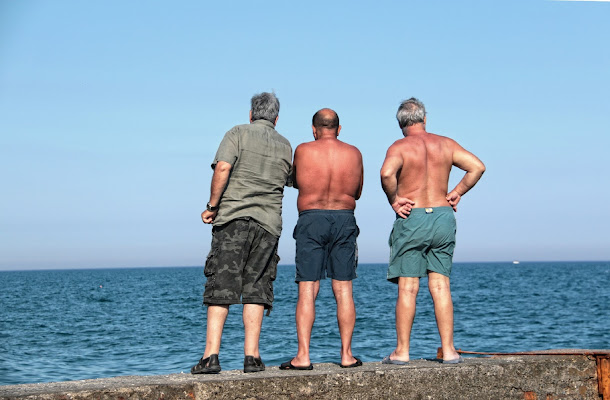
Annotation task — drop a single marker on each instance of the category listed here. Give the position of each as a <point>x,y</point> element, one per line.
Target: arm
<point>474,168</point>
<point>294,167</point>
<point>219,182</point>
<point>359,192</point>
<point>390,170</point>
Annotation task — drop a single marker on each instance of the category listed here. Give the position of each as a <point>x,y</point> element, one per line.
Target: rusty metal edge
<point>603,375</point>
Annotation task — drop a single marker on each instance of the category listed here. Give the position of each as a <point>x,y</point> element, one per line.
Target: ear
<point>275,122</point>
<point>425,120</point>
<point>338,130</point>
<point>250,117</point>
<point>315,132</point>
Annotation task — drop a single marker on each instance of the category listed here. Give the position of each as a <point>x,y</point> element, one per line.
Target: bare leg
<point>346,318</point>
<point>217,315</point>
<point>305,317</point>
<point>253,322</point>
<point>443,309</point>
<point>405,313</point>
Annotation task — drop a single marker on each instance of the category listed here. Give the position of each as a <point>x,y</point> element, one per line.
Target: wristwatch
<point>211,208</point>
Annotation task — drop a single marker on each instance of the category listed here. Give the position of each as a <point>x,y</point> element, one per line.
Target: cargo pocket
<point>272,275</point>
<point>210,273</point>
<point>274,263</point>
<point>211,263</point>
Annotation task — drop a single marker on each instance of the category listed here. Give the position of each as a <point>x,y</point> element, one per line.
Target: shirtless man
<point>328,174</point>
<point>415,178</point>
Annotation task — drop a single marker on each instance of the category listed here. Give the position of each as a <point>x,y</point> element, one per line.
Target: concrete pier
<point>506,377</point>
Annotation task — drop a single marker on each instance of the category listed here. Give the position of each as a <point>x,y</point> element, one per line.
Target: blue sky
<point>111,112</point>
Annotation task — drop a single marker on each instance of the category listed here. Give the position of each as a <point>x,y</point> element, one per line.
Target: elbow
<point>477,168</point>
<point>223,167</point>
<point>386,174</point>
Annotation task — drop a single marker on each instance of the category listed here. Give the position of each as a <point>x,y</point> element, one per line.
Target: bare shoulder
<point>461,157</point>
<point>453,144</point>
<point>446,142</point>
<point>299,153</point>
<point>351,148</point>
<point>400,149</point>
<point>441,138</point>
<point>401,143</point>
<point>303,147</point>
<point>409,144</point>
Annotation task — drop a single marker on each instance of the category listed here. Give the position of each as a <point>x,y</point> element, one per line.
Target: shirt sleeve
<point>289,181</point>
<point>228,150</point>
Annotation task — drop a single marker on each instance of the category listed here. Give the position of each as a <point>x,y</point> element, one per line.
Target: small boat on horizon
<point>515,262</point>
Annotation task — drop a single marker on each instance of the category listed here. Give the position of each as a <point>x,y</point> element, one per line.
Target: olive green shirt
<point>261,162</point>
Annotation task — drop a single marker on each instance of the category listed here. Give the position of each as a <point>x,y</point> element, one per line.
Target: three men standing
<point>415,178</point>
<point>329,176</point>
<point>251,167</point>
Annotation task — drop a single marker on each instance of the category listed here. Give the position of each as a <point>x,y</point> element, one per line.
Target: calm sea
<point>79,324</point>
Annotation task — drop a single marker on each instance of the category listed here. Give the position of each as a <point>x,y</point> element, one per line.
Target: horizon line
<point>512,262</point>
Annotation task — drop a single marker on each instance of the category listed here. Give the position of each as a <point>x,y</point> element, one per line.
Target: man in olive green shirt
<point>251,168</point>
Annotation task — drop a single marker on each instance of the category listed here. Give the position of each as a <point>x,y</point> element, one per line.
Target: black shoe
<point>253,364</point>
<point>210,365</point>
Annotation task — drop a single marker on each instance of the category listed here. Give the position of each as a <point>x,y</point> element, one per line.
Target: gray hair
<point>265,106</point>
<point>410,112</point>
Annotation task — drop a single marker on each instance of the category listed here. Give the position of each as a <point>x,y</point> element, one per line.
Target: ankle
<point>402,354</point>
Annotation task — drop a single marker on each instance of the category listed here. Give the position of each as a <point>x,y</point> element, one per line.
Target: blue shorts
<point>326,245</point>
<point>422,242</point>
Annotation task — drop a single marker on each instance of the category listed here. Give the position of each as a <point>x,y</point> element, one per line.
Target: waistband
<point>327,212</point>
<point>430,210</point>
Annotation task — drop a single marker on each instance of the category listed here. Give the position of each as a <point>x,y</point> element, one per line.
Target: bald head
<point>325,118</point>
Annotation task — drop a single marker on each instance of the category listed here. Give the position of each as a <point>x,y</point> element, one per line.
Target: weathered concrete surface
<point>511,377</point>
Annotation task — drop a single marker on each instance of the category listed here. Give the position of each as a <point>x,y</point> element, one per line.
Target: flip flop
<point>358,363</point>
<point>458,360</point>
<point>288,365</point>
<point>387,360</point>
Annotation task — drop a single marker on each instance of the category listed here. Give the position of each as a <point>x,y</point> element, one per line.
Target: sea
<point>60,325</point>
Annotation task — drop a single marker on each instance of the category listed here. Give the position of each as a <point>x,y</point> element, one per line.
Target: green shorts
<point>422,242</point>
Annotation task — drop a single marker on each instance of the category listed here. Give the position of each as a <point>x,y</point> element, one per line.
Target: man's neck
<point>414,130</point>
<point>327,135</point>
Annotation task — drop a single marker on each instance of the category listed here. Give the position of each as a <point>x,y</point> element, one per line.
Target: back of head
<point>410,112</point>
<point>265,106</point>
<point>325,118</point>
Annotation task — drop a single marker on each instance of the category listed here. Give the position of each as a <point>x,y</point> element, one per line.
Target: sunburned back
<point>328,175</point>
<point>427,161</point>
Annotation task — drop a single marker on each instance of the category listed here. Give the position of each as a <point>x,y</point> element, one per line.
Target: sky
<point>111,113</point>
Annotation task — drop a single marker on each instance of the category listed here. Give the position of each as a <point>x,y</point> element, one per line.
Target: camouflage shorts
<point>242,265</point>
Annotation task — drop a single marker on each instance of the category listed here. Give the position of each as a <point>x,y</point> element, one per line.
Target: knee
<point>408,290</point>
<point>439,286</point>
<point>341,287</point>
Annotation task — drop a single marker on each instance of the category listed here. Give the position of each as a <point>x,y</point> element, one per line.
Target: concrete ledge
<point>507,377</point>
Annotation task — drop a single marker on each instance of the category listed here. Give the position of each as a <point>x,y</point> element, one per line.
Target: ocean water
<point>79,324</point>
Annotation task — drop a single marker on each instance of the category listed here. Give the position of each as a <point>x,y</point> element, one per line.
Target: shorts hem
<point>215,302</point>
<point>260,301</point>
<point>220,302</point>
<point>439,272</point>
<point>343,278</point>
<point>394,279</point>
<point>301,279</point>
